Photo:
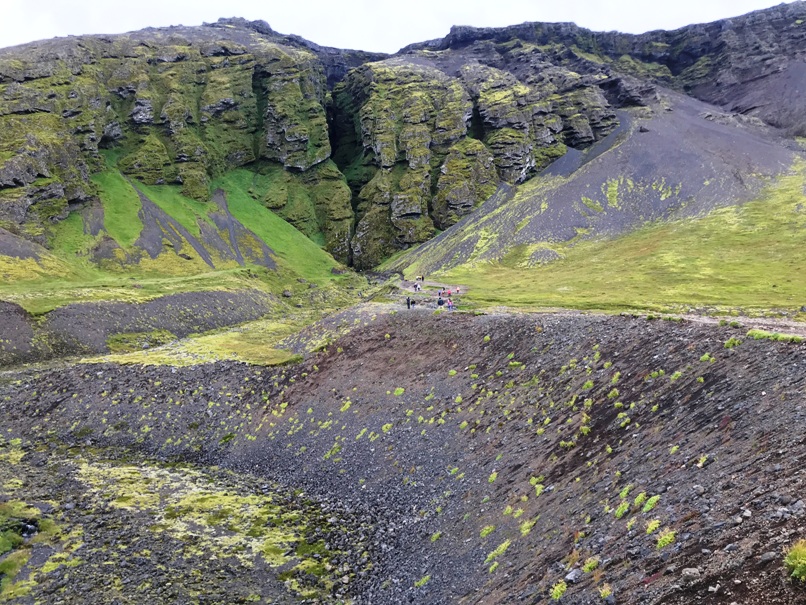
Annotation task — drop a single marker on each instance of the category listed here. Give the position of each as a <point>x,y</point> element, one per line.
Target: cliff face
<point>427,136</point>
<point>181,105</point>
<point>732,62</point>
<point>417,140</point>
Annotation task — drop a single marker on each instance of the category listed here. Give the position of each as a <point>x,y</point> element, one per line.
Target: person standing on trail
<point>449,293</point>
<point>408,302</point>
<point>450,305</point>
<point>440,302</point>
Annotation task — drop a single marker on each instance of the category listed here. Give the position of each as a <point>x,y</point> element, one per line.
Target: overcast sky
<point>363,24</point>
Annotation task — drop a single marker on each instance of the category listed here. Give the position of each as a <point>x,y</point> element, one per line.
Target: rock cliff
<point>364,153</point>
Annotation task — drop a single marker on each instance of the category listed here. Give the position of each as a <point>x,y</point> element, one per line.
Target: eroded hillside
<point>503,457</point>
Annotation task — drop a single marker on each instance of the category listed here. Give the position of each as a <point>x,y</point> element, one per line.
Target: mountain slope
<point>681,161</point>
<point>231,158</point>
<point>502,456</point>
<point>422,137</point>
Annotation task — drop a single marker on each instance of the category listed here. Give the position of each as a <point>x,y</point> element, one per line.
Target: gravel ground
<point>459,459</point>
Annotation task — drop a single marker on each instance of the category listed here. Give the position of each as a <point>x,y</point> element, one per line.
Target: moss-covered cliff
<point>363,153</point>
<point>176,106</point>
<point>423,142</point>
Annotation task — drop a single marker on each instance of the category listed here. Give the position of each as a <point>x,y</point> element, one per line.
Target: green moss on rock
<point>467,178</point>
<point>149,163</point>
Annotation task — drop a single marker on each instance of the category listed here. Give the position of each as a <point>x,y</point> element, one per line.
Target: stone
<point>574,576</point>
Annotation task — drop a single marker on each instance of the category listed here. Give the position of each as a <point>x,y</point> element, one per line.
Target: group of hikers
<point>444,295</point>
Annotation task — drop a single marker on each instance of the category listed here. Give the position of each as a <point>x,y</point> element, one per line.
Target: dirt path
<point>768,324</point>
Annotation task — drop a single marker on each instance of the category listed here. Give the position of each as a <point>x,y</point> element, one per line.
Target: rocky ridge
<point>422,138</point>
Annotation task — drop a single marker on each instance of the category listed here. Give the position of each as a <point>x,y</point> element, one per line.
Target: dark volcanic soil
<point>485,458</point>
<point>84,328</point>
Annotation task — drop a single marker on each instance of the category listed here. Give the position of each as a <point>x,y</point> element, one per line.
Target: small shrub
<point>493,477</point>
<point>639,499</point>
<point>763,335</point>
<point>665,538</point>
<point>527,526</point>
<point>588,385</point>
<point>486,338</point>
<point>650,504</point>
<point>436,536</point>
<point>605,590</point>
<point>612,394</point>
<point>625,492</point>
<point>499,550</point>
<point>387,427</point>
<point>590,564</point>
<point>701,462</point>
<point>795,560</point>
<point>558,590</point>
<point>422,582</point>
<point>451,372</point>
<point>399,391</point>
<point>652,526</point>
<point>487,530</point>
<point>732,342</point>
<point>622,509</point>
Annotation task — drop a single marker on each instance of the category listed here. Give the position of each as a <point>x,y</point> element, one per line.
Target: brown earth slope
<point>485,459</point>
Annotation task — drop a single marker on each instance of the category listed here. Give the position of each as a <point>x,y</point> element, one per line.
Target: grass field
<point>296,251</point>
<point>749,257</point>
<point>121,207</point>
<point>65,274</point>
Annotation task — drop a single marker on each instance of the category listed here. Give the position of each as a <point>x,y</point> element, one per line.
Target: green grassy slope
<point>751,256</point>
<point>295,251</point>
<point>121,206</point>
<point>66,274</point>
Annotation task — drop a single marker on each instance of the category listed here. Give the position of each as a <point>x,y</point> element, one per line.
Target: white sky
<point>363,24</point>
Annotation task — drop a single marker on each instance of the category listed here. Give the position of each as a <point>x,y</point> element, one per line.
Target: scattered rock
<point>768,556</point>
<point>574,576</point>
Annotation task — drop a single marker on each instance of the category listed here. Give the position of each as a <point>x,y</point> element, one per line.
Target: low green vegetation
<point>558,590</point>
<point>764,335</point>
<point>67,274</point>
<point>751,256</point>
<point>121,206</point>
<point>295,251</point>
<point>795,560</point>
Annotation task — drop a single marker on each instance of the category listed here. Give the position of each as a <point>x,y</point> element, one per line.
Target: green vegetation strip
<point>750,256</point>
<point>294,249</point>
